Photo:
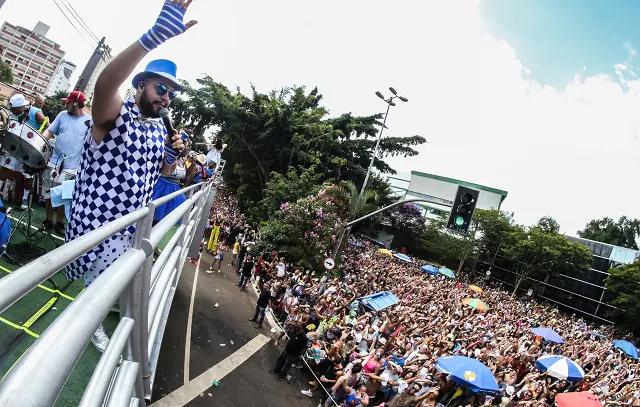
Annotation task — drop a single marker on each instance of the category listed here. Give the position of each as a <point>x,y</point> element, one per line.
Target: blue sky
<point>555,39</point>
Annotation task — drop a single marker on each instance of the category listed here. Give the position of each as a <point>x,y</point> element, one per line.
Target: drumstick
<point>44,123</point>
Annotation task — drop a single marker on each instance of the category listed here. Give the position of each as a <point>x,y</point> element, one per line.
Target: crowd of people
<point>363,357</point>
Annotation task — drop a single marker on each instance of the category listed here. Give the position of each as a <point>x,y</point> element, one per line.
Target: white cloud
<point>633,52</point>
<point>570,152</point>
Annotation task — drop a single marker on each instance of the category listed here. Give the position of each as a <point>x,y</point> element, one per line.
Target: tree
<point>624,281</point>
<point>288,187</point>
<point>351,206</point>
<point>625,232</point>
<point>6,74</point>
<point>407,224</point>
<point>549,225</point>
<point>535,253</point>
<point>54,104</point>
<point>268,133</point>
<point>304,230</point>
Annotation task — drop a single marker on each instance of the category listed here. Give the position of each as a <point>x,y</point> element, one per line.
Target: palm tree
<point>355,206</point>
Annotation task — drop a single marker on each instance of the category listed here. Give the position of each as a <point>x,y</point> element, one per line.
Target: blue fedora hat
<point>160,67</point>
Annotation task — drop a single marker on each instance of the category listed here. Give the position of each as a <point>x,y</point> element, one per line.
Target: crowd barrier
<point>125,372</point>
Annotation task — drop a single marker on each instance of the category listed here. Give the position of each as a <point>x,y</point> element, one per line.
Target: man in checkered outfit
<point>127,147</point>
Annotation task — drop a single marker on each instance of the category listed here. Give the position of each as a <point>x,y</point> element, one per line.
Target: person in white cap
<point>33,117</point>
<point>127,147</point>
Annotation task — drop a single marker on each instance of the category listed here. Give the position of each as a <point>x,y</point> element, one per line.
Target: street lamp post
<point>390,103</point>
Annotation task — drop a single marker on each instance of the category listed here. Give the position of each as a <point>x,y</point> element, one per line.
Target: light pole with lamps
<point>390,103</point>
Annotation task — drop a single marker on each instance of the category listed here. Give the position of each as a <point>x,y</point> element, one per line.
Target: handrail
<point>37,378</point>
<point>62,343</point>
<point>97,388</point>
<point>19,283</point>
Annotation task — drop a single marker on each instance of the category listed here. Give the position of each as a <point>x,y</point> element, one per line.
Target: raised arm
<point>107,101</point>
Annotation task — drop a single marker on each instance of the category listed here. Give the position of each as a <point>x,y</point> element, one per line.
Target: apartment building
<point>33,57</point>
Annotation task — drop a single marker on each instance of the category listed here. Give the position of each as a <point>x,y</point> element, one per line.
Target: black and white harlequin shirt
<point>115,178</point>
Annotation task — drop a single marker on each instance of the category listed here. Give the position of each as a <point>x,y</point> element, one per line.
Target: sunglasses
<point>162,90</point>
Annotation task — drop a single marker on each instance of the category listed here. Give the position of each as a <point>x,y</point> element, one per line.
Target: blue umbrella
<point>468,372</point>
<point>627,347</point>
<point>446,272</point>
<point>403,257</point>
<point>548,334</point>
<point>429,269</point>
<point>560,367</point>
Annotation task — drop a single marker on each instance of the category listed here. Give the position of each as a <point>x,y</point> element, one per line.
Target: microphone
<point>166,119</point>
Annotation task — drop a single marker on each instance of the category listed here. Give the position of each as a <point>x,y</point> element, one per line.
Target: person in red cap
<point>69,130</point>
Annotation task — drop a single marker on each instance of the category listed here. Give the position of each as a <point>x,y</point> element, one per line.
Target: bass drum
<point>27,145</point>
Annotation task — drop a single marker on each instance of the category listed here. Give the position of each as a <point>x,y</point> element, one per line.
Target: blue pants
<point>259,310</point>
<point>243,281</point>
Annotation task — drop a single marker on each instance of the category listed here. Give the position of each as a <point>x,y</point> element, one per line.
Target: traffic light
<point>462,210</point>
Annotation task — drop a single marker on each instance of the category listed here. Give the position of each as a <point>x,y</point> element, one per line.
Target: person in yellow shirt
<point>236,249</point>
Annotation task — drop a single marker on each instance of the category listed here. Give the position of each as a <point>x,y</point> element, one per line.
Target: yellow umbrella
<point>385,251</point>
<point>476,303</point>
<point>475,288</point>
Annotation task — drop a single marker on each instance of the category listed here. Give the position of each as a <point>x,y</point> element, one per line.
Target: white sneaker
<point>100,339</point>
<point>307,393</point>
<point>25,205</point>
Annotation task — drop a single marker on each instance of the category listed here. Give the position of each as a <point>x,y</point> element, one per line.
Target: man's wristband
<point>170,154</point>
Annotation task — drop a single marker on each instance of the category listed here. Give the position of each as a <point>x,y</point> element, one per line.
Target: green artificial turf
<point>22,310</point>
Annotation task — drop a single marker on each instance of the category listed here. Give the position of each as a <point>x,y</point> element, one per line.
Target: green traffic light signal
<point>459,221</point>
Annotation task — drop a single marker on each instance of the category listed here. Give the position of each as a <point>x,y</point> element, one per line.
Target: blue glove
<point>170,154</point>
<point>168,25</point>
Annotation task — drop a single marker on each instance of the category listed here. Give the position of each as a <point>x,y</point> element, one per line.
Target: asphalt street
<point>220,327</point>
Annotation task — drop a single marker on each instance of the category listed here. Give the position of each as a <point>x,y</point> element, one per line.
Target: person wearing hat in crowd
<point>69,130</point>
<point>127,147</point>
<point>33,117</point>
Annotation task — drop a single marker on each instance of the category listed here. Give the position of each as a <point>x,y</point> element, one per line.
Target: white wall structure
<point>443,191</point>
<point>60,82</point>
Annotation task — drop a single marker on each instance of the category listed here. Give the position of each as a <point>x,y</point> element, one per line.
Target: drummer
<point>69,129</point>
<point>33,117</point>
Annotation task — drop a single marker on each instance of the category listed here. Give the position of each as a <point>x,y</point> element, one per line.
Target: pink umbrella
<point>580,399</point>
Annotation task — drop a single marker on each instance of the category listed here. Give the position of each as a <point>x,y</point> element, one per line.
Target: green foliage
<point>6,75</point>
<point>549,225</point>
<point>268,133</point>
<point>53,105</point>
<point>537,253</point>
<point>625,283</point>
<point>450,246</point>
<point>304,230</point>
<point>625,232</point>
<point>288,187</point>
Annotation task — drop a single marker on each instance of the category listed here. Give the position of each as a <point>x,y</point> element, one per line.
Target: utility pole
<point>88,70</point>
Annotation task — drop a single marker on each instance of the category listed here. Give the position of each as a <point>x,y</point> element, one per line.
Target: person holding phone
<point>127,147</point>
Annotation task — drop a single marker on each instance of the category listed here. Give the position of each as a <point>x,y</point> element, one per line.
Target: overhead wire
<point>79,19</point>
<point>72,24</point>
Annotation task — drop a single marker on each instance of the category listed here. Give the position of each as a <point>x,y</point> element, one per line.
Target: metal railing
<point>125,372</point>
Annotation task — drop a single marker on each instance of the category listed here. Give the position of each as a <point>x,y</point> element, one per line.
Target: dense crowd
<point>388,357</point>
